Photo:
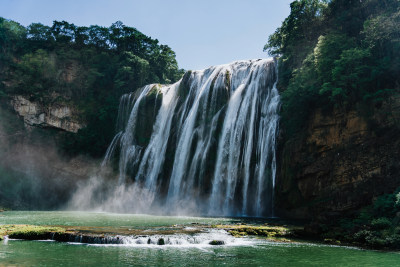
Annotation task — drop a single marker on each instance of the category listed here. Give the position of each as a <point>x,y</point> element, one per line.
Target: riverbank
<point>159,235</point>
<point>104,228</point>
<point>104,239</point>
<point>115,235</point>
<point>28,232</point>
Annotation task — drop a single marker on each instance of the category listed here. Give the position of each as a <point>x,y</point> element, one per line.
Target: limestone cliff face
<point>340,162</point>
<point>52,115</point>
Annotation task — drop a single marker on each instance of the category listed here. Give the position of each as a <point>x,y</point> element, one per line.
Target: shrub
<point>381,223</point>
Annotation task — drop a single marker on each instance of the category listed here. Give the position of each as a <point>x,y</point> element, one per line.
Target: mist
<point>33,173</point>
<point>102,194</point>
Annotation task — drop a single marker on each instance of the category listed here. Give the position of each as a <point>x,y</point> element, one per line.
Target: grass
<point>30,232</point>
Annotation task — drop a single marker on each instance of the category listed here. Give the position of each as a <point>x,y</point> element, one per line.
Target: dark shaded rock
<point>313,229</point>
<point>217,243</point>
<point>147,113</point>
<point>339,163</point>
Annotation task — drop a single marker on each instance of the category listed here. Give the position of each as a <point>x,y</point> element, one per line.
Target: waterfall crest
<point>204,145</point>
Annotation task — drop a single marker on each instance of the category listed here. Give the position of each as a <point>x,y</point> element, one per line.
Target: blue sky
<point>201,32</point>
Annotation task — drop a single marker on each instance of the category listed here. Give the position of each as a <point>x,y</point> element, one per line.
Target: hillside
<point>338,156</point>
<point>60,87</point>
<point>83,69</point>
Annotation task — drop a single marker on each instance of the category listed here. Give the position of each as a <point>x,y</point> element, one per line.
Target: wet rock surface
<point>217,243</point>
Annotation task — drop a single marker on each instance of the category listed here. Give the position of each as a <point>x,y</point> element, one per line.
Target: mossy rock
<point>184,86</point>
<point>227,80</point>
<point>217,242</point>
<point>29,232</point>
<point>236,233</point>
<point>264,230</point>
<point>154,91</point>
<point>147,113</point>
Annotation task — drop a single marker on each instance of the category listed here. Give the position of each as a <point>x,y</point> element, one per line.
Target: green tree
<point>63,32</point>
<point>88,67</point>
<point>132,73</point>
<point>336,53</point>
<point>36,73</point>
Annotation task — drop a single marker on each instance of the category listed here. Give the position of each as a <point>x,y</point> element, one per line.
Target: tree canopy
<point>89,67</point>
<point>336,53</point>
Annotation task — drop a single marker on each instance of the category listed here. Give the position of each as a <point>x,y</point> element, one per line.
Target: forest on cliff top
<point>85,67</point>
<point>336,53</point>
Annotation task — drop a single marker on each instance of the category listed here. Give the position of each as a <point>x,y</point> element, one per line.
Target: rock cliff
<point>340,162</point>
<point>54,115</point>
<point>33,172</point>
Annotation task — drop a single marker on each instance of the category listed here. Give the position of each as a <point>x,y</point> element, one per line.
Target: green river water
<point>236,252</point>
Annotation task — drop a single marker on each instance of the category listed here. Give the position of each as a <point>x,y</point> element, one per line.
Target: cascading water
<point>205,144</point>
<point>203,239</point>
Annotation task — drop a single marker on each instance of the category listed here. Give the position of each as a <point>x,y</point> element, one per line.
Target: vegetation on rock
<point>86,67</point>
<point>30,232</point>
<point>259,230</point>
<point>336,53</point>
<point>217,243</point>
<point>376,226</point>
<point>339,67</point>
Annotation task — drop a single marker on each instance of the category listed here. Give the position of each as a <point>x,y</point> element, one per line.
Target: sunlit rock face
<point>205,144</point>
<point>52,115</point>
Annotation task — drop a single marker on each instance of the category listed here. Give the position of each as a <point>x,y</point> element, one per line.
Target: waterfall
<point>205,144</point>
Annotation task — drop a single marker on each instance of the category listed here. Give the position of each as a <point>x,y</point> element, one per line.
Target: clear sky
<point>201,32</point>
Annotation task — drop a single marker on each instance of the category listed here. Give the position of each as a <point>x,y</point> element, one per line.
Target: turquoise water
<point>79,218</point>
<point>253,252</point>
<point>36,253</point>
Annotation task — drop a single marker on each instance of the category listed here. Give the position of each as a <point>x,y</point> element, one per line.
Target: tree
<point>12,36</point>
<point>89,67</point>
<point>336,53</point>
<point>63,32</point>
